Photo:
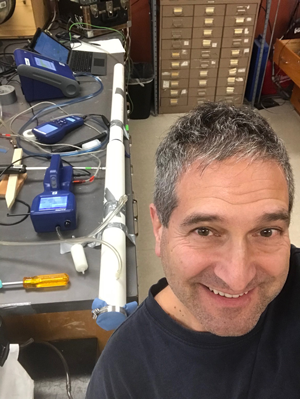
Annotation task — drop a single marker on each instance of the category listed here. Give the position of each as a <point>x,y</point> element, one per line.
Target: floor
<point>146,135</point>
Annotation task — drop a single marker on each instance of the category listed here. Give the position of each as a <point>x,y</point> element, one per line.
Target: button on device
<point>67,223</point>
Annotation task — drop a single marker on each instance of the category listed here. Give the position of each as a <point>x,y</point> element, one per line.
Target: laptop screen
<point>49,47</point>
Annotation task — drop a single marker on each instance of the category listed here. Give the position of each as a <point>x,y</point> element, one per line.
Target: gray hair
<point>214,132</point>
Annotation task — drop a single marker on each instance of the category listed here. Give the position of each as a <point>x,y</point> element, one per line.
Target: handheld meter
<point>54,131</point>
<point>56,206</point>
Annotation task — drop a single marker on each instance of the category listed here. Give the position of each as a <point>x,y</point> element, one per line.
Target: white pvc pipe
<point>112,287</point>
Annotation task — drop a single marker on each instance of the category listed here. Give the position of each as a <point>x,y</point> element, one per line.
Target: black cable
<point>13,44</point>
<point>86,172</point>
<point>21,159</point>
<point>62,358</point>
<point>21,220</point>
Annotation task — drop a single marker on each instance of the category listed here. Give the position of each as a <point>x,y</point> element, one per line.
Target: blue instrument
<point>43,78</point>
<point>54,131</point>
<point>56,206</point>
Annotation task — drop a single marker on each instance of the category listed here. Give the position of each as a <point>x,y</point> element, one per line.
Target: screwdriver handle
<point>46,280</point>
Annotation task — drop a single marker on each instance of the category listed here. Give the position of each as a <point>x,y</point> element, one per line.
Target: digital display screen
<point>70,119</point>
<point>53,203</point>
<point>47,128</point>
<point>44,63</point>
<point>49,47</point>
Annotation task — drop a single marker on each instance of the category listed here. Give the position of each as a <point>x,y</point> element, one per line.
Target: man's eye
<point>202,231</point>
<point>267,232</point>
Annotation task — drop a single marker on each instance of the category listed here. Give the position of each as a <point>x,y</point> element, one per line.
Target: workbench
<point>60,313</point>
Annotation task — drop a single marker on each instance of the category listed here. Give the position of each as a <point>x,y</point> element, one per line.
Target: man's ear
<point>157,228</point>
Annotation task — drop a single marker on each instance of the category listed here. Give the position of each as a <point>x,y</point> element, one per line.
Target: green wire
<point>95,26</point>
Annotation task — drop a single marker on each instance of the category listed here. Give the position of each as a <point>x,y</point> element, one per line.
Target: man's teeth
<point>226,295</point>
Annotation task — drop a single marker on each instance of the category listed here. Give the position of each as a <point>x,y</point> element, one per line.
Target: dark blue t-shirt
<point>151,356</point>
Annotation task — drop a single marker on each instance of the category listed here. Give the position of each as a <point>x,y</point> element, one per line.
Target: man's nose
<point>237,267</point>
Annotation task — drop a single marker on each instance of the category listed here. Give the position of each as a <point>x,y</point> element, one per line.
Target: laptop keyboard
<point>81,61</point>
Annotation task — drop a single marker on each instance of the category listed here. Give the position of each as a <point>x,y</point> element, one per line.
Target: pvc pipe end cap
<point>110,320</point>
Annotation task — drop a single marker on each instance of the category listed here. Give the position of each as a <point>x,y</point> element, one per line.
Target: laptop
<point>79,61</point>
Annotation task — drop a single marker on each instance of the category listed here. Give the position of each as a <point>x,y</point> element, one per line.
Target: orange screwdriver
<point>41,281</point>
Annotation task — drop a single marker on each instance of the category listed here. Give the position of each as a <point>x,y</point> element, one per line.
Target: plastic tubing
<point>78,240</point>
<point>60,105</point>
<point>122,201</point>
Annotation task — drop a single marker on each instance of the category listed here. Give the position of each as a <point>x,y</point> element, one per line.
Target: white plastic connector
<point>91,144</point>
<point>79,258</point>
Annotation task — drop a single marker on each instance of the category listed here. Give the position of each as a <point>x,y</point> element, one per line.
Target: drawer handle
<point>200,102</point>
<point>174,93</point>
<point>177,10</point>
<point>177,23</point>
<point>238,31</point>
<point>234,62</point>
<point>176,34</point>
<point>175,54</point>
<point>174,74</point>
<point>241,10</point>
<point>206,43</point>
<point>203,74</point>
<point>177,44</point>
<point>204,65</point>
<point>175,64</point>
<point>209,10</point>
<point>174,83</point>
<point>202,82</point>
<point>239,20</point>
<point>235,53</point>
<point>201,93</point>
<point>207,32</point>
<point>230,80</point>
<point>232,71</point>
<point>173,101</point>
<point>229,90</point>
<point>208,21</point>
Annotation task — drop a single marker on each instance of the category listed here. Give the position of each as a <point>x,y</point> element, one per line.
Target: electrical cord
<point>62,358</point>
<point>21,220</point>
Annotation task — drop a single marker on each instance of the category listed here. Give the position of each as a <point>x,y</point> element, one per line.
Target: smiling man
<point>225,322</point>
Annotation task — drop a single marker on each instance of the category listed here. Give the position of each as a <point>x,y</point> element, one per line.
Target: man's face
<point>225,252</point>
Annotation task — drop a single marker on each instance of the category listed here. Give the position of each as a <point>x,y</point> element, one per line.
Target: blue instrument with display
<point>54,131</point>
<point>43,78</point>
<point>56,206</point>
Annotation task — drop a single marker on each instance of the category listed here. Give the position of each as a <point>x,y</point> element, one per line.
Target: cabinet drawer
<point>235,20</point>
<point>204,64</point>
<point>176,22</point>
<point>202,92</point>
<point>226,72</point>
<point>236,42</point>
<point>234,62</point>
<point>203,53</point>
<point>207,43</point>
<point>174,84</point>
<point>178,74</point>
<point>178,11</point>
<point>169,64</point>
<point>175,54</point>
<point>235,52</point>
<point>238,31</point>
<point>173,93</point>
<point>238,9</point>
<point>207,32</point>
<point>194,101</point>
<point>173,102</point>
<point>229,90</point>
<point>231,81</point>
<point>203,73</point>
<point>208,21</point>
<point>183,33</point>
<point>175,44</point>
<point>209,10</point>
<point>235,99</point>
